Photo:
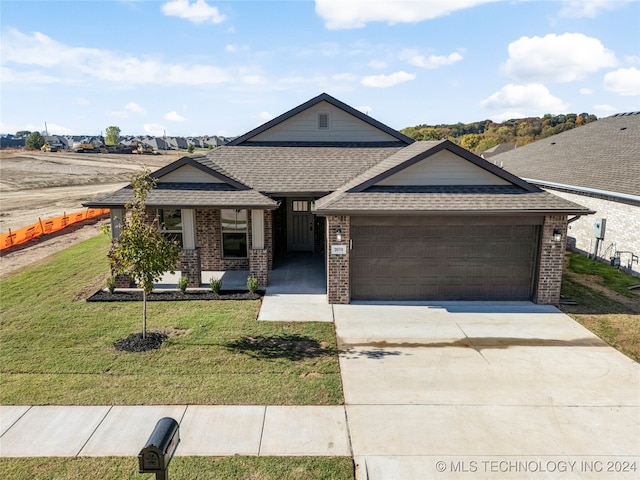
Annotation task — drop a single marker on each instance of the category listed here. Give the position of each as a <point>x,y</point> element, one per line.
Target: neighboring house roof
<point>498,149</point>
<point>603,156</point>
<point>510,194</point>
<point>280,170</point>
<point>323,97</point>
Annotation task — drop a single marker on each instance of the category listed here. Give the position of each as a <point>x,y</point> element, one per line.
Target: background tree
<point>34,141</point>
<point>22,133</point>
<point>191,148</point>
<point>142,252</point>
<point>113,135</point>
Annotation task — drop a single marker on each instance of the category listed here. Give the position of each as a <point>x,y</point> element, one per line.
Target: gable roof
<point>323,97</point>
<point>362,195</point>
<point>289,170</point>
<point>603,155</point>
<point>227,193</point>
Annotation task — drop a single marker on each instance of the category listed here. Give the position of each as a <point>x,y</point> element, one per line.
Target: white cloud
<point>605,108</point>
<point>338,14</point>
<point>557,58</point>
<point>366,109</point>
<point>384,81</point>
<point>632,59</point>
<point>262,117</point>
<point>588,8</point>
<point>62,63</point>
<point>531,99</point>
<point>154,129</point>
<point>197,12</point>
<point>432,61</point>
<point>118,114</point>
<point>344,77</point>
<point>586,91</point>
<point>81,101</point>
<point>174,116</point>
<point>134,108</point>
<point>624,81</point>
<point>378,64</point>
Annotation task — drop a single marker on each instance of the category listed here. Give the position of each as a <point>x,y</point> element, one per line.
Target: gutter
<point>595,191</point>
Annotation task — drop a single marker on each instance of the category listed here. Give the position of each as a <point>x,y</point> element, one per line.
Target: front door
<point>300,225</point>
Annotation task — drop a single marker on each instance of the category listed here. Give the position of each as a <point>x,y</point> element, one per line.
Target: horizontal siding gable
<point>343,127</point>
<point>442,168</point>
<point>188,174</point>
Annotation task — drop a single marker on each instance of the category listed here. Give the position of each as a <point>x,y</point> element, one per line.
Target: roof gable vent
<point>323,121</point>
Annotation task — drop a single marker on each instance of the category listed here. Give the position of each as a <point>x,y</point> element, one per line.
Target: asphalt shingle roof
<point>602,155</point>
<point>189,195</point>
<point>350,198</point>
<point>295,169</point>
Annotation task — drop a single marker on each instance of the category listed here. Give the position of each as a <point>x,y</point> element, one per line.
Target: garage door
<point>427,258</point>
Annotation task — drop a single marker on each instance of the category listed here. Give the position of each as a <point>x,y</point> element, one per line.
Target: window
<point>323,121</point>
<point>234,233</point>
<point>300,206</point>
<point>171,224</point>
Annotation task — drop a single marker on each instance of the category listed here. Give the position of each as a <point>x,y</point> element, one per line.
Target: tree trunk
<point>144,314</point>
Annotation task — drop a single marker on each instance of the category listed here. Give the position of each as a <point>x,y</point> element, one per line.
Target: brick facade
<point>551,257</point>
<point>338,281</point>
<point>623,225</point>
<point>190,266</point>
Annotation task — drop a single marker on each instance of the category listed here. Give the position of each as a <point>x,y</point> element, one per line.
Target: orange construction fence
<point>51,225</point>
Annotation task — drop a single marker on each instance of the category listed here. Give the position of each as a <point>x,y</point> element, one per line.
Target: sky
<point>207,67</point>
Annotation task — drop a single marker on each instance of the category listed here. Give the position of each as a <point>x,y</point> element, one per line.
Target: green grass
<point>58,349</point>
<point>181,468</point>
<point>589,298</point>
<point>610,277</point>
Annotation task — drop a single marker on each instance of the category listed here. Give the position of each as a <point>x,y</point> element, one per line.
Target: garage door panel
<point>442,262</point>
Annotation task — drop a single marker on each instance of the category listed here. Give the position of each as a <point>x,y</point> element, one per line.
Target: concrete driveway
<point>462,390</point>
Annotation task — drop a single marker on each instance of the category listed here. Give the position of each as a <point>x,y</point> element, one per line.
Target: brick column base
<point>338,282</point>
<point>551,261</point>
<point>258,265</point>
<point>124,281</point>
<point>190,266</point>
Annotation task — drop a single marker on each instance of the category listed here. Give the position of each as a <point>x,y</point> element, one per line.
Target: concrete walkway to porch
<point>297,291</point>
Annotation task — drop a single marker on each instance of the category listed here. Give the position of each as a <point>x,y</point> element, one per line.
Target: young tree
<point>191,148</point>
<point>34,141</point>
<point>113,135</point>
<point>142,251</point>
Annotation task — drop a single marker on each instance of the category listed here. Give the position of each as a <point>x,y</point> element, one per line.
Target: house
<point>497,150</point>
<point>596,165</point>
<point>395,219</point>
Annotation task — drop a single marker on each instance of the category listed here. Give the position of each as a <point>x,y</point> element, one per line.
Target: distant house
<point>393,218</point>
<point>498,149</point>
<point>598,166</point>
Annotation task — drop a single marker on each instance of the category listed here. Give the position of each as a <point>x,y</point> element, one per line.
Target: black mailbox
<point>159,449</point>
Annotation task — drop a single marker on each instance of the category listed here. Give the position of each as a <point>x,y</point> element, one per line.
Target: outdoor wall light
<point>338,234</point>
<point>557,235</point>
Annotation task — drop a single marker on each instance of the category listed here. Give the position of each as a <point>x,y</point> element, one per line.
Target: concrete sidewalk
<point>97,431</point>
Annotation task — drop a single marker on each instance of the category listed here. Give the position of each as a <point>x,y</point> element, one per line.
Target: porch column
<point>258,251</point>
<point>117,223</point>
<point>338,251</point>
<point>552,252</point>
<point>190,255</point>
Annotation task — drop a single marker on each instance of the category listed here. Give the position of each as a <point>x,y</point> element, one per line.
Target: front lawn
<point>58,349</point>
<point>604,303</point>
<point>181,468</point>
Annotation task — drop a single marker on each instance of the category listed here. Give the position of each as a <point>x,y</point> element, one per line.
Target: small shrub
<point>182,284</point>
<point>111,283</point>
<point>215,284</point>
<point>252,284</point>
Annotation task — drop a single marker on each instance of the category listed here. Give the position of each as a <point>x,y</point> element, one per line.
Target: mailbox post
<point>159,449</point>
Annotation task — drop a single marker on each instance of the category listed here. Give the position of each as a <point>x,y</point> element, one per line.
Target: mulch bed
<point>135,342</point>
<point>173,296</point>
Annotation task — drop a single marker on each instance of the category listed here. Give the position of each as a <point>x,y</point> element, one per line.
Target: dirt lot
<point>36,185</point>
